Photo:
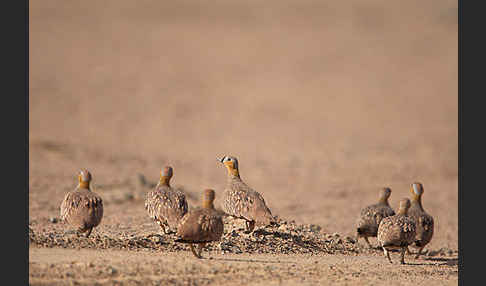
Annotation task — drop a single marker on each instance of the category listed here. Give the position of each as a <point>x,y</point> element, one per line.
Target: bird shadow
<point>244,260</point>
<point>417,264</point>
<point>447,261</point>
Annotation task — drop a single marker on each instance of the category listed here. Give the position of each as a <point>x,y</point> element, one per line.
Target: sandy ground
<point>110,267</point>
<point>322,102</point>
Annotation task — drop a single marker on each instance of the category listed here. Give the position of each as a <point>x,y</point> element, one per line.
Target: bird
<point>82,208</point>
<point>423,221</point>
<point>242,202</point>
<point>371,216</point>
<point>201,225</point>
<point>164,204</point>
<point>397,231</point>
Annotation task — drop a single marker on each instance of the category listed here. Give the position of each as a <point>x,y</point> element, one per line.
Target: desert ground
<point>322,102</point>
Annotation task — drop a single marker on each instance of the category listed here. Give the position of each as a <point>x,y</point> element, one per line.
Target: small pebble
<point>111,270</point>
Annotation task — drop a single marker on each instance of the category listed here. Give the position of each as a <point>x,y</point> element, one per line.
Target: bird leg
<point>250,226</point>
<point>368,242</point>
<point>387,254</point>
<point>408,251</point>
<point>419,252</point>
<point>164,229</point>
<point>89,232</point>
<point>402,255</point>
<point>194,251</point>
<point>81,230</point>
<point>200,248</point>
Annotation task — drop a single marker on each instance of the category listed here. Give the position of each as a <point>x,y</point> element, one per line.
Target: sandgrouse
<point>241,201</point>
<point>423,221</point>
<point>202,225</point>
<point>82,208</point>
<point>397,231</point>
<point>371,216</point>
<point>166,205</point>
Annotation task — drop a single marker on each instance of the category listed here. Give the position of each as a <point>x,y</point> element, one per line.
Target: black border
<point>24,54</point>
<point>470,172</point>
<point>15,92</point>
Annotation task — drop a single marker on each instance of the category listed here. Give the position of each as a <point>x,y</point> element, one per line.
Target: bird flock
<point>409,226</point>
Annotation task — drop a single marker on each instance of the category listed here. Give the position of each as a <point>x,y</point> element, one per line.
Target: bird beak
<point>221,160</point>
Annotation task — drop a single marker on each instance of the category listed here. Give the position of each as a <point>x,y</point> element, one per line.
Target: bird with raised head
<point>166,205</point>
<point>241,201</point>
<point>423,220</point>
<point>82,208</point>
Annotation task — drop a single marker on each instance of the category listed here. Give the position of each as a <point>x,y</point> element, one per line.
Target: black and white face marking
<point>230,159</point>
<point>225,159</point>
<point>85,175</point>
<point>387,192</point>
<point>167,172</point>
<point>417,189</point>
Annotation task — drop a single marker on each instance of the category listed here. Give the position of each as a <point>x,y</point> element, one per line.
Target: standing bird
<point>82,208</point>
<point>423,221</point>
<point>165,205</point>
<point>202,225</point>
<point>397,231</point>
<point>371,216</point>
<point>241,201</point>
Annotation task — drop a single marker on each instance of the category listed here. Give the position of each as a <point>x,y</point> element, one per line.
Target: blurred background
<point>323,102</point>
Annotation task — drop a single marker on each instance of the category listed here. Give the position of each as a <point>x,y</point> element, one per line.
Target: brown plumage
<point>371,216</point>
<point>82,208</point>
<point>200,226</point>
<point>423,221</point>
<point>165,205</point>
<point>241,201</point>
<point>397,231</point>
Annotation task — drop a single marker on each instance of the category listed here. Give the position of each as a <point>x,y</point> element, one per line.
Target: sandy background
<point>323,103</point>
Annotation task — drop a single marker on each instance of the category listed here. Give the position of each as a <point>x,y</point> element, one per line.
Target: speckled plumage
<point>82,208</point>
<point>201,226</point>
<point>371,216</point>
<point>423,221</point>
<point>166,205</point>
<point>397,231</point>
<point>241,201</point>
